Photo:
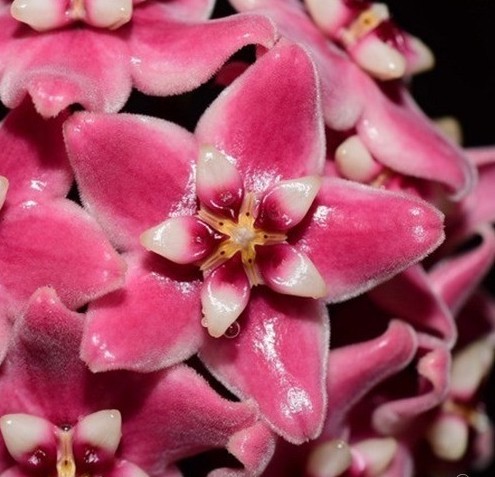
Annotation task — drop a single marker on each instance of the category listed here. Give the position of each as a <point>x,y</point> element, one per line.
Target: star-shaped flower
<point>58,418</point>
<point>93,52</point>
<point>257,151</point>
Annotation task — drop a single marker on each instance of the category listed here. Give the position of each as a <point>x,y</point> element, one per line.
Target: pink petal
<point>284,342</point>
<point>411,296</point>
<point>348,236</point>
<point>219,185</point>
<point>287,135</point>
<point>57,245</point>
<point>421,150</point>
<point>287,203</point>
<point>152,322</point>
<point>433,369</point>
<point>224,296</point>
<point>46,67</point>
<point>33,156</point>
<point>380,358</point>
<point>290,272</point>
<point>455,279</point>
<point>195,51</point>
<point>128,195</point>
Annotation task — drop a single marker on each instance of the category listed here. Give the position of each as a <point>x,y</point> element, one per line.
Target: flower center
<point>51,14</point>
<point>240,237</point>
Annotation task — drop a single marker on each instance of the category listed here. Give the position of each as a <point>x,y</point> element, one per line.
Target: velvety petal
<point>129,195</point>
<point>56,244</point>
<point>155,436</point>
<point>153,321</point>
<point>194,52</point>
<point>455,279</point>
<point>348,236</point>
<point>433,369</point>
<point>33,156</point>
<point>283,341</point>
<point>267,136</point>
<point>63,67</point>
<point>411,296</point>
<point>399,136</point>
<point>379,358</point>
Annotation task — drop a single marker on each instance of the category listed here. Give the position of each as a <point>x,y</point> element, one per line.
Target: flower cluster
<point>168,285</point>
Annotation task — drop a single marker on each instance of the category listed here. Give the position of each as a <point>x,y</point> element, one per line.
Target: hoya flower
<point>57,418</point>
<point>376,130</point>
<point>93,52</point>
<point>46,239</point>
<point>247,183</point>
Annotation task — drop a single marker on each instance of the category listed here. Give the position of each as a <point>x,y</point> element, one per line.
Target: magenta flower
<point>46,239</point>
<point>93,52</point>
<point>57,418</point>
<point>261,198</point>
<point>384,133</point>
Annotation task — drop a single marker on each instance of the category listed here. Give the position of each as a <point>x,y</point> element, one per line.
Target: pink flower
<point>259,153</point>
<point>376,131</point>
<point>46,239</point>
<point>56,417</point>
<point>93,52</point>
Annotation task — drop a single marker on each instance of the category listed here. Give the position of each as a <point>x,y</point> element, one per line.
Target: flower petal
<point>46,67</point>
<point>34,158</point>
<point>152,322</point>
<point>287,203</point>
<point>129,196</point>
<point>283,341</point>
<point>282,138</point>
<point>195,51</point>
<point>59,245</point>
<point>288,271</point>
<point>180,239</point>
<point>224,296</point>
<point>348,237</point>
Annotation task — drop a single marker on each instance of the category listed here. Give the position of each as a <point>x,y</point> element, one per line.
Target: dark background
<point>461,33</point>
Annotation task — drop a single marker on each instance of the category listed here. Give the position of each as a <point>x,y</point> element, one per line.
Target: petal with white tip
<point>105,14</point>
<point>288,271</point>
<point>24,433</point>
<point>218,182</point>
<point>224,296</point>
<point>4,186</point>
<point>288,202</point>
<point>180,239</point>
<point>40,15</point>
<point>102,430</point>
<point>329,459</point>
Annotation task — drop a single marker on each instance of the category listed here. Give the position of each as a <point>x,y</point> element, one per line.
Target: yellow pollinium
<point>241,236</point>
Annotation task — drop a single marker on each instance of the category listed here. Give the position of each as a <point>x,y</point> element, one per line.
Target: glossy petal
<point>282,341</point>
<point>129,196</point>
<point>348,235</point>
<point>290,272</point>
<point>224,296</point>
<point>46,68</point>
<point>380,358</point>
<point>287,203</point>
<point>262,157</point>
<point>152,322</point>
<point>195,51</point>
<point>57,245</point>
<point>33,156</point>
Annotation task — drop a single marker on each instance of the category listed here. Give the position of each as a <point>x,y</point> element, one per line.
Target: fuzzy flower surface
<point>58,418</point>
<point>310,239</point>
<point>93,52</point>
